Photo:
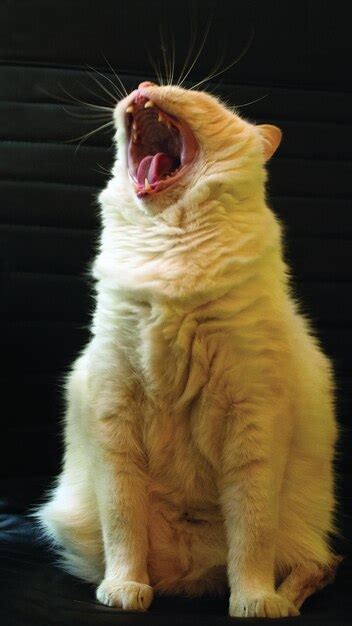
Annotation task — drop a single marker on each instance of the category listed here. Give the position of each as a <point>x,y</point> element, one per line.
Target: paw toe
<point>268,605</point>
<point>128,595</point>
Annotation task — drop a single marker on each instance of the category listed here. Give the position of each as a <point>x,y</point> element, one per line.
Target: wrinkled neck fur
<point>195,251</point>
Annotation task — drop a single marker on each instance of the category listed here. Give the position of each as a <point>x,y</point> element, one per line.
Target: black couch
<point>297,75</point>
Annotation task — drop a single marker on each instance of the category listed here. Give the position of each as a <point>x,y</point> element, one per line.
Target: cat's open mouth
<point>160,147</point>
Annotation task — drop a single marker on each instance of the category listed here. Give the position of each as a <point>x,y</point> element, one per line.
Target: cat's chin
<point>161,148</point>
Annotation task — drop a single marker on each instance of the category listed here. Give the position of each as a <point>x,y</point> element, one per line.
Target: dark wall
<point>297,70</point>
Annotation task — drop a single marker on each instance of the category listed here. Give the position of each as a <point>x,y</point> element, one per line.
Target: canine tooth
<point>130,109</point>
<point>146,184</point>
<point>148,104</point>
<point>134,125</point>
<point>134,137</point>
<point>160,117</point>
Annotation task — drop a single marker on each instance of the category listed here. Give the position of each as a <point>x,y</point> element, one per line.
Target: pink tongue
<point>153,167</point>
<point>143,169</point>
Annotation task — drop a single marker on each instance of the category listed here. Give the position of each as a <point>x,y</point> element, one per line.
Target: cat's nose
<point>146,83</point>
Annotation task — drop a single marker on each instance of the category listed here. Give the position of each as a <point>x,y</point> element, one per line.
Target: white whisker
<point>87,116</point>
<point>173,60</point>
<point>95,94</point>
<point>215,69</point>
<point>116,75</point>
<point>189,54</point>
<point>159,74</point>
<point>102,169</point>
<point>88,104</point>
<point>197,56</point>
<point>92,132</point>
<point>155,67</point>
<point>73,98</point>
<point>227,67</point>
<point>246,104</point>
<point>103,87</point>
<point>165,57</point>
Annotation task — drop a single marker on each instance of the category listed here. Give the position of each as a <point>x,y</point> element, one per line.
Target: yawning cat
<point>200,427</point>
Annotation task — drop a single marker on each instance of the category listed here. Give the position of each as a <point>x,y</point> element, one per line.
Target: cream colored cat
<point>200,427</point>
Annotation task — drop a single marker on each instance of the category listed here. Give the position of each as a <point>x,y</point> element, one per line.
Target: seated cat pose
<point>200,430</point>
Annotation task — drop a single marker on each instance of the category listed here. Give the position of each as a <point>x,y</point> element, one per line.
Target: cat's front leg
<point>121,488</point>
<point>251,472</point>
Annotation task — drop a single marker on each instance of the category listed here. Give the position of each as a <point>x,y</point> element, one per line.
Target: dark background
<point>298,66</point>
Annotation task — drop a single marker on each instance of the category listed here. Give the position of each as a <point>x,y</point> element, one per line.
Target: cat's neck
<point>190,253</point>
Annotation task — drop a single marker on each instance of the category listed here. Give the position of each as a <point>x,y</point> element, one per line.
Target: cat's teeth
<point>134,137</point>
<point>130,109</point>
<point>134,125</point>
<point>148,104</point>
<point>147,187</point>
<point>164,120</point>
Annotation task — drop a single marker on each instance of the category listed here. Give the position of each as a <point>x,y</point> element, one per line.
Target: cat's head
<point>172,139</point>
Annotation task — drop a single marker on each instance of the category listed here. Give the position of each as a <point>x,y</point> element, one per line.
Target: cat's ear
<point>272,136</point>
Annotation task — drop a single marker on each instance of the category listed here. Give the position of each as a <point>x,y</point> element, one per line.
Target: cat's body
<point>200,429</point>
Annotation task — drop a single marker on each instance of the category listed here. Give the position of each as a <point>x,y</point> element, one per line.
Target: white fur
<point>200,429</point>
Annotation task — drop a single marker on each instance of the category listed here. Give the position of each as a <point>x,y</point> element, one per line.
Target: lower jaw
<point>159,186</point>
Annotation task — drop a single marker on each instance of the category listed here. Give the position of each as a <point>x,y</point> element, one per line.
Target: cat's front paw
<point>128,595</point>
<point>261,605</point>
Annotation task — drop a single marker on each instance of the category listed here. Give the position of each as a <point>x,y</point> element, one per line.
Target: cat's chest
<point>165,349</point>
<point>163,360</point>
<point>182,427</point>
<point>180,475</point>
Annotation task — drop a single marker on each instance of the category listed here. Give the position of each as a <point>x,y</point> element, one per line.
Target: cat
<point>200,429</point>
